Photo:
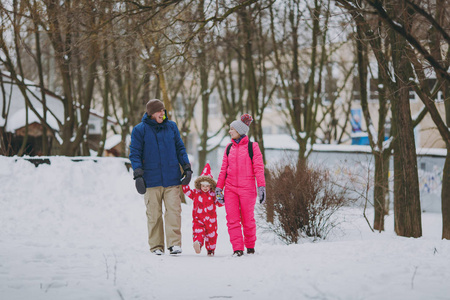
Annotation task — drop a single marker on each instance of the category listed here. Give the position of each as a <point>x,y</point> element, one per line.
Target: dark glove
<point>262,194</point>
<point>139,181</point>
<point>219,196</point>
<point>187,175</point>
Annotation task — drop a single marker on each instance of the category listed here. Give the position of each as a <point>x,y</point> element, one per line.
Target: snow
<point>432,151</point>
<point>387,143</point>
<point>113,141</point>
<point>77,230</point>
<point>16,107</point>
<point>374,133</point>
<point>18,119</point>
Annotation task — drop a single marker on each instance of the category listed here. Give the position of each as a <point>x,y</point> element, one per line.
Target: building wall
<point>356,168</point>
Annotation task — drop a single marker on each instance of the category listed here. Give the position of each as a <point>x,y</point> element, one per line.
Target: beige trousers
<point>154,198</point>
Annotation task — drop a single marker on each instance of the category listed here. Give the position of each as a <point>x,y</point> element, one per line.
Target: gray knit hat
<point>154,106</point>
<point>242,125</point>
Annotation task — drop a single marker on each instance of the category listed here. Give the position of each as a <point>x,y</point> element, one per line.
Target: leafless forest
<point>113,56</point>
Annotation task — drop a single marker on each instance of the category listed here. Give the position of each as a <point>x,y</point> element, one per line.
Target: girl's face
<point>233,133</point>
<point>205,187</point>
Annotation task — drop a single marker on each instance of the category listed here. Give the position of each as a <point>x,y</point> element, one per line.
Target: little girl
<point>242,163</point>
<point>204,217</point>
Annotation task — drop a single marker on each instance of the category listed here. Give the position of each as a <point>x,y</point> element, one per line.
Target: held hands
<point>139,181</point>
<point>219,196</point>
<point>262,194</point>
<point>187,175</point>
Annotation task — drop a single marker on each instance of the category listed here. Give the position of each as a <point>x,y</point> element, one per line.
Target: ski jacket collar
<point>243,139</point>
<point>152,122</point>
<point>237,141</point>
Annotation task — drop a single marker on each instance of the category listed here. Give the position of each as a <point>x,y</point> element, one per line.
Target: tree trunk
<point>376,142</point>
<point>106,93</point>
<point>385,183</point>
<point>204,89</point>
<point>295,75</point>
<point>381,188</point>
<point>250,74</point>
<point>162,79</point>
<point>407,212</point>
<point>445,198</point>
<point>436,48</point>
<point>45,149</point>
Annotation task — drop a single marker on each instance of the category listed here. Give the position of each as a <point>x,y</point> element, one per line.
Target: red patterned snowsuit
<point>204,217</point>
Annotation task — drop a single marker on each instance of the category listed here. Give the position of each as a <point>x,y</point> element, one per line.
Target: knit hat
<point>205,176</point>
<point>242,125</point>
<point>154,106</point>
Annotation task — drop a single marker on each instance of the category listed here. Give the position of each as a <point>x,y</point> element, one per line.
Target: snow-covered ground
<point>77,230</point>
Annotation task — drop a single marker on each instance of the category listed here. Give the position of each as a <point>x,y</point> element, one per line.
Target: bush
<point>301,202</point>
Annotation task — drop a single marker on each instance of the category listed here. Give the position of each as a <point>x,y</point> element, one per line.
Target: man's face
<point>159,116</point>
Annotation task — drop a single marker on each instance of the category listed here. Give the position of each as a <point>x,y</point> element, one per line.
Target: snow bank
<point>77,230</point>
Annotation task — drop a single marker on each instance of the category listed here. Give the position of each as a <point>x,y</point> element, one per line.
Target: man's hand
<point>139,181</point>
<point>187,175</point>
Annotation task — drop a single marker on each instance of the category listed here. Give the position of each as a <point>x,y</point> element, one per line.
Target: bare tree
<point>305,51</point>
<point>204,69</point>
<point>437,18</point>
<point>413,37</point>
<point>380,149</point>
<point>14,52</point>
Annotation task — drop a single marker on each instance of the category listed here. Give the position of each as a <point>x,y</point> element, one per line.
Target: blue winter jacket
<point>159,150</point>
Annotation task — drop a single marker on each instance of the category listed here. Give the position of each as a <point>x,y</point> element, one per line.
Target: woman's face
<point>233,133</point>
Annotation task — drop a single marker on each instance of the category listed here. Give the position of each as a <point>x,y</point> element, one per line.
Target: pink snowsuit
<point>238,174</point>
<point>204,217</point>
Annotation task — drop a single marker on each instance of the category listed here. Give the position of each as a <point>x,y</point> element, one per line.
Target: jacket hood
<point>152,122</point>
<point>145,116</point>
<point>199,179</point>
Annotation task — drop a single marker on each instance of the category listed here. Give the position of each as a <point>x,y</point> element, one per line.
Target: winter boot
<point>197,247</point>
<point>175,250</point>
<point>210,252</point>
<point>250,250</point>
<point>238,253</point>
<point>158,252</point>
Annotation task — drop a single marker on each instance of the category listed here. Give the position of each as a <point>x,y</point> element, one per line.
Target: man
<point>156,153</point>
